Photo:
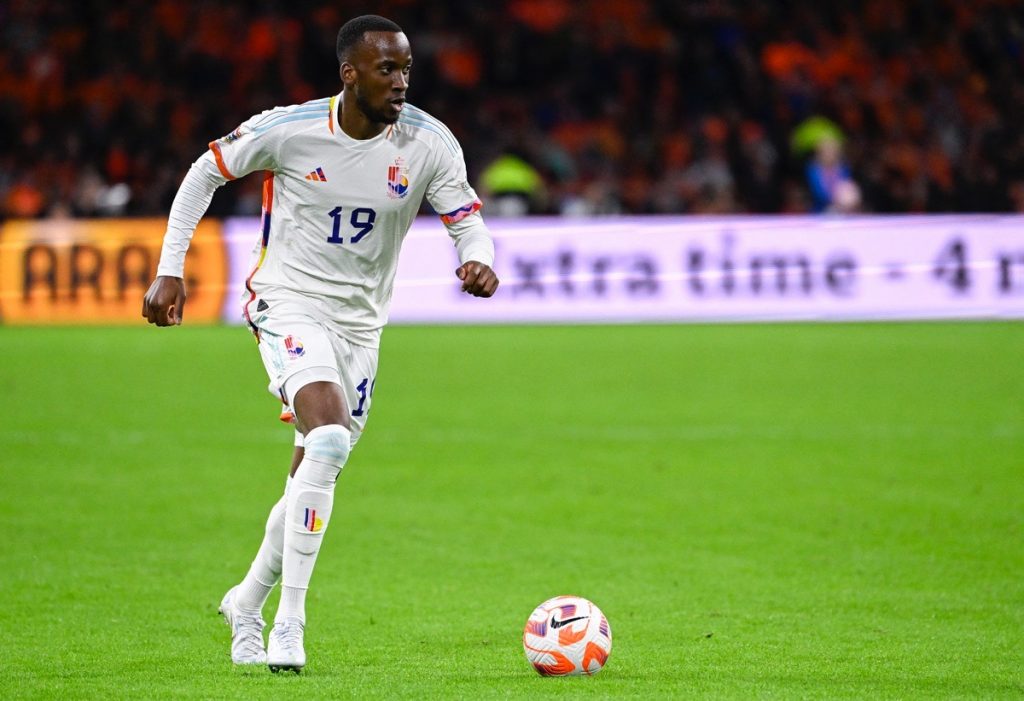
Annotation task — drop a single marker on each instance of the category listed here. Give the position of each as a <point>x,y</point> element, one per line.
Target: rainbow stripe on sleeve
<point>462,212</point>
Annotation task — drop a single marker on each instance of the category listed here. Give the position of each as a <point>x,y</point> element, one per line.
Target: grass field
<point>784,511</point>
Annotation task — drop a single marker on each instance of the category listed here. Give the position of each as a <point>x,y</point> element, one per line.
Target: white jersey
<point>336,209</point>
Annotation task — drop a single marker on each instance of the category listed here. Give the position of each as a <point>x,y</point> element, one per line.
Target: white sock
<point>309,501</point>
<point>265,570</point>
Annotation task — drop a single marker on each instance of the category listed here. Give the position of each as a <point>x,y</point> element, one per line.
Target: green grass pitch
<point>779,511</point>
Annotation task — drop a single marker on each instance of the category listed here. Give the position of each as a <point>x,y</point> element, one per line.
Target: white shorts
<point>297,350</point>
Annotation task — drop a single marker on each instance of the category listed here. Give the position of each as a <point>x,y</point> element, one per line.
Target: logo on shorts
<point>398,179</point>
<point>312,523</point>
<point>294,346</point>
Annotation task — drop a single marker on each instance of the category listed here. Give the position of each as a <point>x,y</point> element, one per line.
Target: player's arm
<point>476,253</point>
<point>243,151</point>
<point>164,303</point>
<point>450,194</point>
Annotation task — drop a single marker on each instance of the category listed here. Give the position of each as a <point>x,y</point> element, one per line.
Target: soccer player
<point>344,178</point>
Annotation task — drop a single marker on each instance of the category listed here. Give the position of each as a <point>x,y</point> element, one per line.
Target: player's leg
<point>284,356</point>
<point>242,606</point>
<point>265,570</point>
<point>322,417</point>
<point>300,452</point>
<point>332,415</point>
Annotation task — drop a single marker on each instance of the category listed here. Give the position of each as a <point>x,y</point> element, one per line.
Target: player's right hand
<point>477,279</point>
<point>164,303</point>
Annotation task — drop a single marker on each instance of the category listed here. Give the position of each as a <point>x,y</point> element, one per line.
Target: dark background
<point>618,106</point>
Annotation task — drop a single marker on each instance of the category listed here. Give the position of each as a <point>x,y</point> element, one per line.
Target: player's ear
<point>347,73</point>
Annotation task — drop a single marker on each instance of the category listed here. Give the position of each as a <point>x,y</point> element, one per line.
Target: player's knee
<point>311,493</point>
<point>329,445</point>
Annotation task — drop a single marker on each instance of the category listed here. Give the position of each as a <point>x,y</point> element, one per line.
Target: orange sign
<point>96,272</point>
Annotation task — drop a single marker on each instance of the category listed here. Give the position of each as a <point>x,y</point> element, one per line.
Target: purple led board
<point>687,269</point>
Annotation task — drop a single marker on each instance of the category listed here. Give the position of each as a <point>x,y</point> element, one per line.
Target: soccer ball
<point>567,635</point>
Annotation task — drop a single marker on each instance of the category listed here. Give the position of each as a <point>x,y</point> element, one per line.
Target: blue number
<point>335,236</point>
<point>364,227</point>
<point>358,411</point>
<point>363,394</point>
<point>362,219</point>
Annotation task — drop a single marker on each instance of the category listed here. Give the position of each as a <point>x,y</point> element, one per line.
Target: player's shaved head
<point>375,60</point>
<point>352,33</point>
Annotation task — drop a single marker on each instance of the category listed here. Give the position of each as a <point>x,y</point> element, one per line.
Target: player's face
<point>378,75</point>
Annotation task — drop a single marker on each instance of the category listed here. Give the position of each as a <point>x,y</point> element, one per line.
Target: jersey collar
<point>332,113</point>
<point>341,137</point>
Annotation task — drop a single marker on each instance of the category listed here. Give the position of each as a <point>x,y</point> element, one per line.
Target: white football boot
<point>284,646</point>
<point>246,632</point>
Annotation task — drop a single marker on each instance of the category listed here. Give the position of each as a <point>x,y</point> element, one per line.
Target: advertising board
<point>683,269</point>
<point>96,271</point>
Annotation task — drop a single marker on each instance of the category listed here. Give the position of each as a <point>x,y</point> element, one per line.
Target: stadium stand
<point>621,106</point>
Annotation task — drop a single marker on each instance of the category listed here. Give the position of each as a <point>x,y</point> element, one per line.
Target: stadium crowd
<point>562,106</point>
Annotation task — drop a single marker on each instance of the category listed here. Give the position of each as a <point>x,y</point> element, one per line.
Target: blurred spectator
<point>633,106</point>
<point>512,187</point>
<point>828,176</point>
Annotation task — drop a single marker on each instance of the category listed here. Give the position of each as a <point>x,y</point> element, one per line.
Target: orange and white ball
<point>567,636</point>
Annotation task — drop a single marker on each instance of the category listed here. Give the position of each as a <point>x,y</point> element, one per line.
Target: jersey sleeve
<point>451,196</point>
<point>450,193</point>
<point>472,240</point>
<point>189,206</point>
<point>252,146</point>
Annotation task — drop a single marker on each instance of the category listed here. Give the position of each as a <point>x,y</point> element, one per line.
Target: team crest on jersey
<point>233,136</point>
<point>398,179</point>
<point>293,344</point>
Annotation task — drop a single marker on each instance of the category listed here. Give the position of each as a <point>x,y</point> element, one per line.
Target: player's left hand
<point>477,279</point>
